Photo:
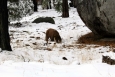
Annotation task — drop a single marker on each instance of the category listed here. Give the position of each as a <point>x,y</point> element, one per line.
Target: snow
<point>31,58</point>
<point>35,69</point>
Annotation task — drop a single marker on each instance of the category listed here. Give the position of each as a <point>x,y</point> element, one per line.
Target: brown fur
<point>53,35</point>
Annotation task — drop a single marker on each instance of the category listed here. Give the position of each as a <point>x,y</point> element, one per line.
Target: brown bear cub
<point>53,35</point>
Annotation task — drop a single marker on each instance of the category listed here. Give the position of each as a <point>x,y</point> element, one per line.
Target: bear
<point>53,35</point>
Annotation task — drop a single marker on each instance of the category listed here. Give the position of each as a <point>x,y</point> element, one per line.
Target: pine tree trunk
<point>4,30</point>
<point>65,9</point>
<point>50,4</point>
<point>35,5</point>
<point>74,3</point>
<point>71,4</point>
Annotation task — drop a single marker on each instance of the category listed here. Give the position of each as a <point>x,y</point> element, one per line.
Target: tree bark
<point>4,30</point>
<point>50,4</point>
<point>35,5</point>
<point>65,9</point>
<point>74,3</point>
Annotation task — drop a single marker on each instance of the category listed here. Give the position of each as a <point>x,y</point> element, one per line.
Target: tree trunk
<point>50,7</point>
<point>35,5</point>
<point>71,4</point>
<point>49,4</point>
<point>65,9</point>
<point>74,3</point>
<point>4,30</point>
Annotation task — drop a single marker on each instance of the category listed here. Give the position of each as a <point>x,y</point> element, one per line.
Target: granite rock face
<point>98,15</point>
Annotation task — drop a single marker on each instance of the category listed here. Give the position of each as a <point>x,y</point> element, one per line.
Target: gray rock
<point>98,15</point>
<point>44,19</point>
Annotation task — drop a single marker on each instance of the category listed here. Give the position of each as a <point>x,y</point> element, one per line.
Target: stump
<point>108,60</point>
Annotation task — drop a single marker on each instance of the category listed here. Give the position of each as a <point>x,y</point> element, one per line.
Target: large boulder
<point>98,15</point>
<point>44,19</point>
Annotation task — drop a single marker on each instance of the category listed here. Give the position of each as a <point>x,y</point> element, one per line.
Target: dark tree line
<point>35,2</point>
<point>73,3</point>
<point>65,8</point>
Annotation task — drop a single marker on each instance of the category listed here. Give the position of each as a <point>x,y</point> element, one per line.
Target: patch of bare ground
<point>90,38</point>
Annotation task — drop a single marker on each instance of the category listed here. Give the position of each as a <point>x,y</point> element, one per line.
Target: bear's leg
<point>56,39</point>
<point>52,38</point>
<point>47,39</point>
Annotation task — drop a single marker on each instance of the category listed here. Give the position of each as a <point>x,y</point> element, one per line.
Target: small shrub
<point>18,24</point>
<point>17,9</point>
<point>44,19</point>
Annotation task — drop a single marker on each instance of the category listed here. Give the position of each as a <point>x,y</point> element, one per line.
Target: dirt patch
<point>90,38</point>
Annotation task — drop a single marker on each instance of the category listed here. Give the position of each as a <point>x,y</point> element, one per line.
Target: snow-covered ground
<point>32,58</point>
